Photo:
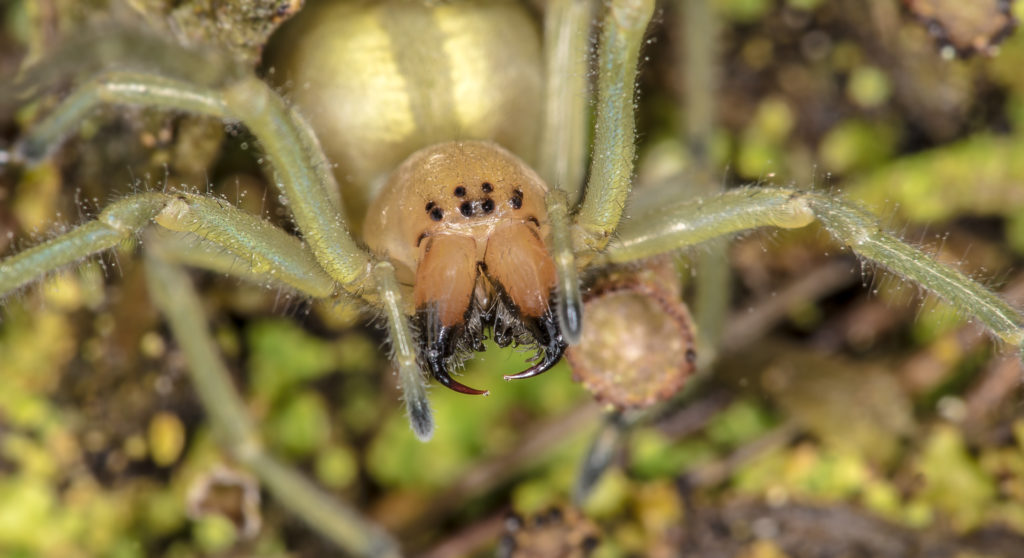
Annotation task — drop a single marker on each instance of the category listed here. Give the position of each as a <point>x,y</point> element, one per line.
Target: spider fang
<point>545,330</point>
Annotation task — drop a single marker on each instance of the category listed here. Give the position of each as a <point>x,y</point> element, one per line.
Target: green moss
<point>652,455</point>
<point>214,534</point>
<point>610,496</point>
<point>743,11</point>
<point>470,428</point>
<point>336,467</point>
<point>977,176</point>
<point>807,5</point>
<point>740,422</point>
<point>868,87</point>
<point>854,145</point>
<point>806,472</point>
<point>953,481</point>
<point>300,425</point>
<point>762,151</point>
<point>284,356</point>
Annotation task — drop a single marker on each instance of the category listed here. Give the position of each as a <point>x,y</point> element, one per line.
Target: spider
<point>463,241</point>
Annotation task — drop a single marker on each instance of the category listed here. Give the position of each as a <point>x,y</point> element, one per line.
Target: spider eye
<point>487,187</point>
<point>460,191</point>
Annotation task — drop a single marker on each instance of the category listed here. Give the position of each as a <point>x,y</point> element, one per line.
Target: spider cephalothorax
<point>465,223</point>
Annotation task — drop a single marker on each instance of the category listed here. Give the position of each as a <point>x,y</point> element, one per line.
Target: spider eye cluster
<point>470,207</point>
<point>436,213</point>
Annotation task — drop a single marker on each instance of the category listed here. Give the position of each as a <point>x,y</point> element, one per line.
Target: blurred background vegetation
<point>844,417</point>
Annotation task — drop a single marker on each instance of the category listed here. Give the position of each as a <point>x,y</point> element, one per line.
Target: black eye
<point>466,208</point>
<point>460,191</point>
<point>517,199</point>
<point>430,205</point>
<point>487,188</point>
<point>436,214</point>
<point>488,205</point>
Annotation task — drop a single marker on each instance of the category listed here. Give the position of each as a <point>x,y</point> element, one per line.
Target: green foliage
<point>284,356</point>
<point>299,425</point>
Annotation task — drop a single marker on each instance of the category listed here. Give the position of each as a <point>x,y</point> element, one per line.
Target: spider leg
<point>270,255</point>
<point>686,224</point>
<point>176,298</point>
<point>611,168</point>
<point>117,223</point>
<point>221,238</point>
<point>300,168</point>
<point>414,388</point>
<point>562,148</point>
<point>302,172</point>
<point>700,63</point>
<point>546,332</point>
<point>568,299</point>
<point>563,140</point>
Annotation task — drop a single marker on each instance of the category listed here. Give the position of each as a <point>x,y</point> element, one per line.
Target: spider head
<point>464,223</point>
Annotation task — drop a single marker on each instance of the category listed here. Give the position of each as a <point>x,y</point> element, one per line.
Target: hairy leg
<point>302,172</point>
<point>563,145</point>
<point>688,224</point>
<point>414,388</point>
<point>271,254</point>
<point>173,293</point>
<point>611,167</point>
<point>568,298</point>
<point>563,139</point>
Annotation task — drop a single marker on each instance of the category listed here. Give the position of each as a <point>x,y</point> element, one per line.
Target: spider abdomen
<point>379,80</point>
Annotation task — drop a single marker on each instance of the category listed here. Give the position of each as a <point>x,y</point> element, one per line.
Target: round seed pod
<point>638,345</point>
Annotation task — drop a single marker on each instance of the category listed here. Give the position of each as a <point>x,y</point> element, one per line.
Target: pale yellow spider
<point>464,240</point>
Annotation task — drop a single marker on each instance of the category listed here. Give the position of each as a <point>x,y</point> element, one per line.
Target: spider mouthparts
<point>440,349</point>
<point>502,332</point>
<point>546,332</point>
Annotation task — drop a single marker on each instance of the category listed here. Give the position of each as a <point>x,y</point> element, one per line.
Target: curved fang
<point>437,369</point>
<point>546,332</point>
<point>439,349</point>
